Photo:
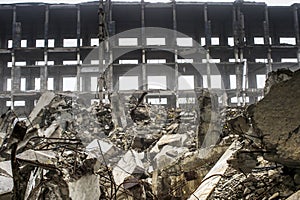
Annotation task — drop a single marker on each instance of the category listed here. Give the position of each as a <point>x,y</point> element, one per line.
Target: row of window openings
<point>50,85</point>
<point>154,101</point>
<point>184,41</point>
<point>185,82</point>
<point>212,60</point>
<point>150,61</point>
<point>188,41</point>
<point>49,63</point>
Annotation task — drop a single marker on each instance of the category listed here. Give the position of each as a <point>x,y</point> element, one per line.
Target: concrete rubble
<point>67,150</point>
<point>267,166</point>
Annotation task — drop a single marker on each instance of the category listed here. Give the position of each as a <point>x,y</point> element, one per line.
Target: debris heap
<point>66,150</point>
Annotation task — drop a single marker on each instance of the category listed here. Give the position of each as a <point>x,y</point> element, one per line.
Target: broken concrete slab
<point>276,122</point>
<point>48,131</point>
<point>43,101</point>
<point>130,164</point>
<point>167,155</point>
<point>5,168</point>
<point>109,151</point>
<point>210,181</point>
<point>6,184</point>
<point>40,157</point>
<point>295,196</point>
<point>87,187</point>
<point>276,77</point>
<point>177,140</point>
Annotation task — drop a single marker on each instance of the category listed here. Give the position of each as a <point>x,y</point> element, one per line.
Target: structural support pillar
<point>143,38</point>
<point>208,44</point>
<point>297,32</point>
<point>44,69</point>
<point>78,77</point>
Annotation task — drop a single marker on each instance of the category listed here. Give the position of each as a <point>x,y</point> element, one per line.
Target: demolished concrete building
<point>184,113</point>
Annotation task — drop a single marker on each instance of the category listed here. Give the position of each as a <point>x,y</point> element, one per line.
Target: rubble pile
<point>66,150</point>
<point>65,144</point>
<point>46,154</point>
<point>266,181</point>
<point>267,166</point>
<point>162,121</point>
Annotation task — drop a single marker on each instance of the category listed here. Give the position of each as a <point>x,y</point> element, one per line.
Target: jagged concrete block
<point>6,184</point>
<point>210,181</point>
<point>167,155</point>
<point>44,100</point>
<point>43,157</point>
<point>177,140</point>
<point>6,180</point>
<point>295,196</point>
<point>276,121</point>
<point>108,152</point>
<point>130,164</point>
<point>5,167</point>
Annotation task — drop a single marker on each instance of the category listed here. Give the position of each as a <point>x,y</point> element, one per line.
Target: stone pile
<point>66,150</point>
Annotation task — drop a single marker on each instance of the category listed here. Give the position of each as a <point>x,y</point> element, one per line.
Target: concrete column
<point>144,69</point>
<point>44,69</point>
<point>2,78</point>
<point>78,50</point>
<point>15,70</point>
<point>297,32</point>
<point>208,44</point>
<point>266,27</point>
<point>252,84</point>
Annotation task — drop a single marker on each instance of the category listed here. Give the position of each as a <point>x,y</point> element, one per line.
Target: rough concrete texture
<point>276,121</point>
<point>168,155</point>
<point>87,187</point>
<point>130,164</point>
<point>208,129</point>
<point>44,100</point>
<point>295,196</point>
<point>6,184</point>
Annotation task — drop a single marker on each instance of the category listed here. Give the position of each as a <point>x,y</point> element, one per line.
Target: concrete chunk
<point>177,140</point>
<point>6,184</point>
<point>87,187</point>
<point>130,164</point>
<point>43,157</point>
<point>44,100</point>
<point>110,152</point>
<point>210,181</point>
<point>276,119</point>
<point>295,196</point>
<point>5,168</point>
<point>167,155</point>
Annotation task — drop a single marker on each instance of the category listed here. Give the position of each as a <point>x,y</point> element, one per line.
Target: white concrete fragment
<point>214,175</point>
<point>295,196</point>
<point>167,155</point>
<point>5,167</point>
<point>87,188</point>
<point>49,131</point>
<point>44,100</point>
<point>6,184</point>
<point>130,164</point>
<point>177,140</point>
<point>110,152</point>
<point>44,157</point>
